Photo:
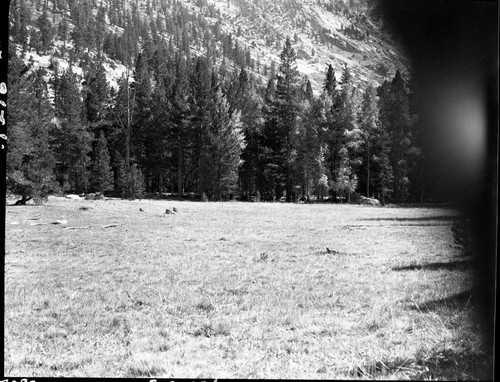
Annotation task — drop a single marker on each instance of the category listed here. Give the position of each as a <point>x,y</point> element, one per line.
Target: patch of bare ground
<point>236,290</point>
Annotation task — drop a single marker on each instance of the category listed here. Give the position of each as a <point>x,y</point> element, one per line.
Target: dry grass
<point>235,290</point>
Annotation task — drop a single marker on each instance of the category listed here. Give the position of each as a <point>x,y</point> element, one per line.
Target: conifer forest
<point>194,113</point>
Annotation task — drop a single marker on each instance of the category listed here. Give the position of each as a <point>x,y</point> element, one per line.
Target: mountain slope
<point>321,36</point>
<point>249,33</point>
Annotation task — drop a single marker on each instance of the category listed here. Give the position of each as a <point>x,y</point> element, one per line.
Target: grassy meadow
<point>237,290</point>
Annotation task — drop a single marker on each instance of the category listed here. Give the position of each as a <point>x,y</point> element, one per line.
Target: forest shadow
<point>415,219</point>
<point>455,365</point>
<point>447,265</point>
<point>438,364</point>
<point>456,301</point>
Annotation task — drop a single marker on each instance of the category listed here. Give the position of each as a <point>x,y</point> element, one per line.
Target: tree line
<point>179,123</point>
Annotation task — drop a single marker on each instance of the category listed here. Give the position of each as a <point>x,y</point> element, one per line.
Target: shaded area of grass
<point>454,365</point>
<point>431,224</point>
<point>413,219</point>
<point>448,265</point>
<point>455,301</point>
<point>436,365</point>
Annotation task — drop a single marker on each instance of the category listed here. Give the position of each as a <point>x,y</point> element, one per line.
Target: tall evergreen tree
<point>243,98</point>
<point>21,15</point>
<point>322,118</point>
<point>287,109</point>
<point>96,94</point>
<point>30,159</point>
<point>308,94</point>
<point>330,84</point>
<point>238,91</point>
<point>122,113</point>
<point>46,31</point>
<point>269,174</point>
<point>221,156</point>
<point>100,29</point>
<point>159,148</point>
<point>201,94</point>
<point>181,117</point>
<point>332,135</point>
<point>142,112</point>
<point>346,180</point>
<point>308,147</point>
<point>133,185</point>
<point>396,119</point>
<point>369,125</point>
<point>382,168</point>
<point>73,140</point>
<point>102,175</point>
<point>63,32</point>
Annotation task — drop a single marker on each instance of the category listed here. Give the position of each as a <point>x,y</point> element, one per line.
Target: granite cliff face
<point>323,32</point>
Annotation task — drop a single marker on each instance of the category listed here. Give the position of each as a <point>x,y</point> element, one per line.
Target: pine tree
<point>243,98</point>
<point>376,148</point>
<point>322,118</point>
<point>121,116</point>
<point>308,147</point>
<point>308,94</point>
<point>15,25</point>
<point>346,75</point>
<point>158,146</point>
<point>30,159</point>
<point>181,117</point>
<point>270,175</point>
<point>63,32</point>
<point>287,109</point>
<point>78,33</point>
<point>201,93</point>
<point>21,16</point>
<point>133,185</point>
<point>96,94</point>
<point>330,84</point>
<point>346,115</point>
<point>382,168</point>
<point>102,175</point>
<point>35,41</point>
<point>142,111</point>
<point>100,31</point>
<point>396,119</point>
<point>73,140</point>
<point>221,156</point>
<point>46,31</point>
<point>121,173</point>
<point>238,91</point>
<point>369,125</point>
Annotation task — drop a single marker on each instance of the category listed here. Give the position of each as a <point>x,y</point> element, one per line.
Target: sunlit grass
<point>232,290</point>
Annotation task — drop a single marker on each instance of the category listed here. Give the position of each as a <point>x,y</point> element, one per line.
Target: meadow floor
<point>237,290</point>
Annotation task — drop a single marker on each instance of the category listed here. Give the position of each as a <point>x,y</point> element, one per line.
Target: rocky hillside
<point>323,32</point>
<point>239,32</point>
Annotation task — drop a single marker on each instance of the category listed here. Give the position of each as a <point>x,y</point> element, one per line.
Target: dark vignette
<point>453,47</point>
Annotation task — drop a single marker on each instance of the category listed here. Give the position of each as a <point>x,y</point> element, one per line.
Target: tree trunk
<point>368,172</point>
<point>180,175</point>
<point>288,185</point>
<point>128,133</point>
